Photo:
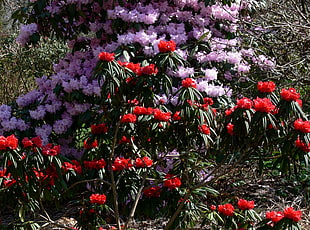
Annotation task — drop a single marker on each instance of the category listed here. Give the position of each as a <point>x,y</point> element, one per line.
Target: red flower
<point>226,209</point>
<point>302,145</point>
<point>266,87</point>
<point>148,70</point>
<point>132,66</point>
<point>172,183</point>
<point>88,145</point>
<point>166,46</point>
<point>161,116</point>
<point>12,142</point>
<point>176,116</point>
<point>125,139</point>
<point>230,129</point>
<point>230,111</point>
<point>289,94</point>
<point>97,198</point>
<point>27,142</point>
<point>152,191</point>
<point>3,143</point>
<point>274,216</point>
<point>121,163</point>
<point>245,205</point>
<point>140,110</point>
<point>213,207</point>
<point>75,166</point>
<point>104,56</point>
<point>290,213</point>
<point>8,183</point>
<point>264,105</point>
<point>208,101</point>
<point>302,126</point>
<point>244,103</point>
<point>143,162</point>
<point>37,141</point>
<point>204,129</point>
<point>189,82</point>
<point>129,118</point>
<point>98,129</point>
<point>51,150</point>
<point>95,164</point>
<point>299,101</point>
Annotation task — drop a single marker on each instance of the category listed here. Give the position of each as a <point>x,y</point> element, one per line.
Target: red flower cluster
<point>189,82</point>
<point>166,46</point>
<point>161,116</point>
<point>172,182</point>
<point>33,142</point>
<point>121,163</point>
<point>129,118</point>
<point>88,145</point>
<point>176,116</point>
<point>97,198</point>
<point>244,103</point>
<point>143,162</point>
<point>98,129</point>
<point>140,110</point>
<point>302,126</point>
<point>264,105</point>
<point>51,150</point>
<point>76,166</point>
<point>148,70</point>
<point>95,164</point>
<point>226,209</point>
<point>10,142</point>
<point>302,145</point>
<point>204,129</point>
<point>230,129</point>
<point>104,56</point>
<point>152,191</point>
<point>289,94</point>
<point>266,87</point>
<point>136,68</point>
<point>288,213</point>
<point>245,204</point>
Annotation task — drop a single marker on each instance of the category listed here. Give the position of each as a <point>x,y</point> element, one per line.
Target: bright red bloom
<point>27,142</point>
<point>289,94</point>
<point>125,139</point>
<point>302,126</point>
<point>172,183</point>
<point>95,164</point>
<point>244,103</point>
<point>189,82</point>
<point>121,163</point>
<point>226,209</point>
<point>230,129</point>
<point>264,105</point>
<point>104,56</point>
<point>299,101</point>
<point>98,198</point>
<point>230,111</point>
<point>98,129</point>
<point>213,207</point>
<point>204,129</point>
<point>290,213</point>
<point>176,116</point>
<point>166,46</point>
<point>152,191</point>
<point>302,145</point>
<point>266,87</point>
<point>161,116</point>
<point>88,145</point>
<point>208,101</point>
<point>51,150</point>
<point>274,216</point>
<point>37,141</point>
<point>143,162</point>
<point>3,143</point>
<point>129,118</point>
<point>75,166</point>
<point>8,183</point>
<point>12,142</point>
<point>245,204</point>
<point>136,68</point>
<point>140,110</point>
<point>148,70</point>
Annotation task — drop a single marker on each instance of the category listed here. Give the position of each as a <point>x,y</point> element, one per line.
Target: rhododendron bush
<point>144,114</point>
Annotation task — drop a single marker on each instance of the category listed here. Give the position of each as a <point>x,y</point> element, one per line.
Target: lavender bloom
<point>210,74</point>
<point>25,32</point>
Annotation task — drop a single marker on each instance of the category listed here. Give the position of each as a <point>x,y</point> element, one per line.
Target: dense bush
<point>149,109</point>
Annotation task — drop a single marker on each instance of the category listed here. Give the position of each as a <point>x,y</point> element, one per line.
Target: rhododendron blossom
<point>266,87</point>
<point>161,116</point>
<point>245,204</point>
<point>189,82</point>
<point>120,163</point>
<point>98,129</point>
<point>172,181</point>
<point>290,94</point>
<point>204,129</point>
<point>230,129</point>
<point>143,162</point>
<point>264,105</point>
<point>129,118</point>
<point>97,198</point>
<point>302,126</point>
<point>95,164</point>
<point>166,46</point>
<point>274,216</point>
<point>290,213</point>
<point>152,191</point>
<point>105,56</point>
<point>226,209</point>
<point>244,103</point>
<point>302,145</point>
